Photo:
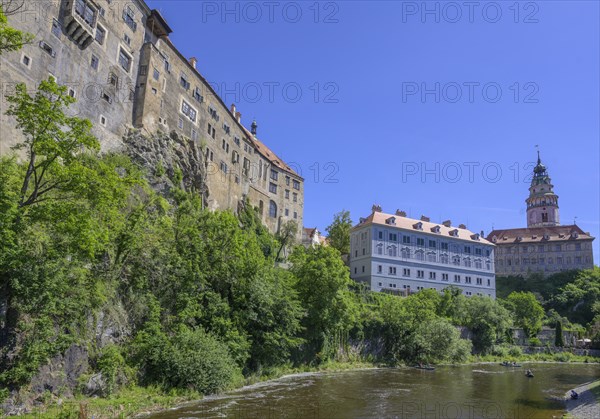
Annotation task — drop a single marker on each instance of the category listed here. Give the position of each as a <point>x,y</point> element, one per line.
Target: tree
<point>528,312</point>
<point>11,39</point>
<point>285,236</point>
<point>339,232</point>
<point>559,339</point>
<point>487,320</point>
<point>322,283</point>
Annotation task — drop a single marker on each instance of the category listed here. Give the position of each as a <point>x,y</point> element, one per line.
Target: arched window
<point>444,258</point>
<point>468,262</point>
<point>380,249</point>
<point>272,209</point>
<point>420,255</point>
<point>392,251</point>
<point>405,253</point>
<point>431,257</point>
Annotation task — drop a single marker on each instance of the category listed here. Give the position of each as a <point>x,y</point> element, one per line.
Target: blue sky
<point>434,111</point>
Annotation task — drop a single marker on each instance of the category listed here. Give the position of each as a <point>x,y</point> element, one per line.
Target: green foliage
<point>488,321</point>
<point>535,342</point>
<point>559,339</point>
<point>322,284</point>
<point>528,312</point>
<point>338,232</point>
<point>11,39</point>
<point>111,363</point>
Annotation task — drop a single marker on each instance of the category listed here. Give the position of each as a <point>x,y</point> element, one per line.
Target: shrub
<point>535,342</point>
<point>110,364</point>
<point>515,351</point>
<point>563,357</point>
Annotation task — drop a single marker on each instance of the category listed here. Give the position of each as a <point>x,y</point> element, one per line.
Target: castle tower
<point>542,203</point>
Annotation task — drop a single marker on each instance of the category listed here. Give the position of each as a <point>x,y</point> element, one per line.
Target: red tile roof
<point>539,234</point>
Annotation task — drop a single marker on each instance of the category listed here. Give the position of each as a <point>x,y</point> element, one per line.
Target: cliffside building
<point>127,76</point>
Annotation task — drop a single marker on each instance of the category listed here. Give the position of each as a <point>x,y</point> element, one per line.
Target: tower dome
<point>542,203</point>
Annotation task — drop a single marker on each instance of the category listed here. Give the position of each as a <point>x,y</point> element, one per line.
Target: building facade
<point>394,253</point>
<point>119,63</point>
<point>545,247</point>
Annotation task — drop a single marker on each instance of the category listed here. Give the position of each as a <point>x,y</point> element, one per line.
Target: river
<point>466,391</point>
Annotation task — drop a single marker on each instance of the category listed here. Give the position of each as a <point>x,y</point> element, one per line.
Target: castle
<point>117,60</point>
<point>545,246</point>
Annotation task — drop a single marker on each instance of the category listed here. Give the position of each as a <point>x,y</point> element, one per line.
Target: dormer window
<point>494,239</point>
<point>391,221</point>
<point>418,226</point>
<point>519,238</point>
<point>475,236</point>
<point>435,229</point>
<point>574,235</point>
<point>546,237</point>
<point>86,11</point>
<point>454,232</point>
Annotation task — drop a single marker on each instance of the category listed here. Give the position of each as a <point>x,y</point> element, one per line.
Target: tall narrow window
<point>124,60</point>
<point>272,209</point>
<point>100,34</point>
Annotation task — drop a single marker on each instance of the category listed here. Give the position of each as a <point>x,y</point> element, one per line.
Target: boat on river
<point>511,365</point>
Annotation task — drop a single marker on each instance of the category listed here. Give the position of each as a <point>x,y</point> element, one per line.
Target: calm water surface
<point>474,391</point>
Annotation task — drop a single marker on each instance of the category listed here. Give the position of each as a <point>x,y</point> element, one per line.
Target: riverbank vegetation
<point>113,291</point>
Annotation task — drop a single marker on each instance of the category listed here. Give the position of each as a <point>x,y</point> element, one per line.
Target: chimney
<point>376,208</point>
<point>481,234</point>
<point>253,127</point>
<point>193,62</point>
<point>425,218</point>
<point>464,227</point>
<point>447,223</point>
<point>238,116</point>
<point>400,213</point>
<point>232,109</point>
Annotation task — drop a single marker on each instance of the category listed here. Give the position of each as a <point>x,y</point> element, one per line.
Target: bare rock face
<point>163,155</point>
<point>60,376</point>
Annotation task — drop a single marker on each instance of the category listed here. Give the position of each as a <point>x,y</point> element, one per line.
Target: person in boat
<point>574,395</point>
<point>529,373</point>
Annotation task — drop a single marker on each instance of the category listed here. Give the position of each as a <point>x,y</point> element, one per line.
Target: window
<point>420,241</point>
<point>405,272</point>
<point>295,197</point>
<point>380,249</point>
<point>406,239</point>
<point>456,260</point>
<point>87,12</point>
<point>127,39</point>
<point>227,129</point>
<point>287,194</point>
<point>432,244</point>
<point>47,49</point>
<point>187,110</point>
<point>295,215</point>
<point>431,257</point>
<point>296,185</point>
<point>71,92</point>
<point>101,10</point>
<point>272,188</point>
<point>183,81</point>
<point>420,274</point>
<point>180,123</point>
<point>100,34</point>
<point>272,209</point>
<point>479,281</point>
<point>457,278</point>
<point>106,97</point>
<point>444,277</point>
<point>155,74</point>
<point>419,255</point>
<point>392,270</point>
<point>467,279</point>
<point>444,246</point>
<point>128,17</point>
<point>287,181</point>
<point>199,98</point>
<point>467,249</point>
<point>363,268</point>
<point>124,60</point>
<point>478,251</point>
<point>102,120</point>
<point>444,258</point>
<point>274,174</point>
<point>379,269</point>
<point>394,237</point>
<point>223,167</point>
<point>431,275</point>
<point>558,247</point>
<point>56,31</point>
<point>392,251</point>
<point>113,79</point>
<point>26,60</point>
